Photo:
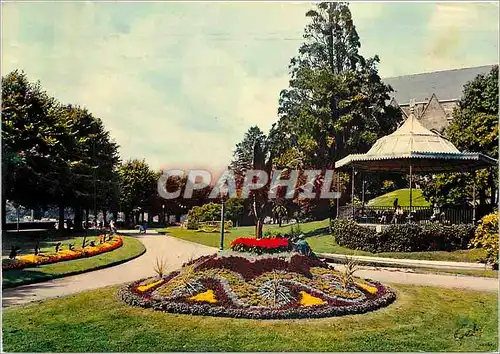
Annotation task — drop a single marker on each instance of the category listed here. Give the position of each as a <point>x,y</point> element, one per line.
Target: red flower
<point>261,243</point>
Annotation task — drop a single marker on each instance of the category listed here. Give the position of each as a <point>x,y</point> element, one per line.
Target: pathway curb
<point>59,276</point>
<point>402,263</point>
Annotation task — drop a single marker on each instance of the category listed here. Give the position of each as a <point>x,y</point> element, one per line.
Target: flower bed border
<point>79,253</point>
<point>127,295</point>
<point>229,307</point>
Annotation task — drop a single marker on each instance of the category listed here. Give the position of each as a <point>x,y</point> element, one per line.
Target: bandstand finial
<point>412,106</point>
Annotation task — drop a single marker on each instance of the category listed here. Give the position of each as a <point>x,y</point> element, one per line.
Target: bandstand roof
<point>413,144</point>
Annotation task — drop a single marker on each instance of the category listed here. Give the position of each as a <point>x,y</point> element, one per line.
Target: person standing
<point>112,227</point>
<point>396,204</point>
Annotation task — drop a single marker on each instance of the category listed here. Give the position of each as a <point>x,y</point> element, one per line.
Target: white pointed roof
<point>412,137</point>
<point>415,146</point>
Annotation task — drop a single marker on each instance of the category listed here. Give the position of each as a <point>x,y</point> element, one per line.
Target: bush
<point>486,236</point>
<point>409,237</point>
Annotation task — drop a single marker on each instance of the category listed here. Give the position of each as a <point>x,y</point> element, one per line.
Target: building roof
<point>447,84</point>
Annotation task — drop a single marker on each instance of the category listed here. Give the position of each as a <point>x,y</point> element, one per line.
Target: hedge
<point>409,237</point>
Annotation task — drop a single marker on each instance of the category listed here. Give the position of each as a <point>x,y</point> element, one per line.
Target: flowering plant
<point>263,245</point>
<point>32,260</point>
<point>268,288</point>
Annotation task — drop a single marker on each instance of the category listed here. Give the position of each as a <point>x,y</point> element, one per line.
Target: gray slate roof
<point>446,84</point>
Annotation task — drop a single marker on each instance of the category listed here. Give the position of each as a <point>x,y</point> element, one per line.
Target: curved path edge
<point>173,251</point>
<point>76,272</point>
<point>176,252</point>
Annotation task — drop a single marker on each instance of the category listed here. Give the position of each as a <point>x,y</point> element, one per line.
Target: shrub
<point>486,236</point>
<point>349,234</point>
<point>409,237</point>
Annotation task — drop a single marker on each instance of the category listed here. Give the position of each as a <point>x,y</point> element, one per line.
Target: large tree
<point>242,155</point>
<point>52,154</point>
<point>336,103</point>
<point>474,128</point>
<point>30,142</point>
<point>138,182</point>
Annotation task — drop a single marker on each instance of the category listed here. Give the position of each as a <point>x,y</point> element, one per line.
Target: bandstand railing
<point>421,214</point>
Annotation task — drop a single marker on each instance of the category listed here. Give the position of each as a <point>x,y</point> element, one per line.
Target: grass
<point>321,243</point>
<point>213,238</point>
<point>130,249</point>
<point>327,244</point>
<point>422,319</point>
<point>403,195</point>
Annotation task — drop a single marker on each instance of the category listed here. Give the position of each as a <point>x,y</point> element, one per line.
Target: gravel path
<point>403,276</point>
<point>175,252</point>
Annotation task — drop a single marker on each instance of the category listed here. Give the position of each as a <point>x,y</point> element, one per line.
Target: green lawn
<point>213,238</point>
<point>422,319</point>
<point>403,195</point>
<point>322,243</point>
<point>327,244</point>
<point>130,249</point>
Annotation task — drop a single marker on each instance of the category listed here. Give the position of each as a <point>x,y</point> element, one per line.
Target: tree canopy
<point>53,154</point>
<point>474,128</point>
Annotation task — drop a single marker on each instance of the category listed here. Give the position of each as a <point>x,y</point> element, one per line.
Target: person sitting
<point>383,218</point>
<point>398,215</point>
<point>302,246</point>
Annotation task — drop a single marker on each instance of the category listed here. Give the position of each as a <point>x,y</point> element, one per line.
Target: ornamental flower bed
<point>63,255</point>
<point>280,286</point>
<point>259,246</point>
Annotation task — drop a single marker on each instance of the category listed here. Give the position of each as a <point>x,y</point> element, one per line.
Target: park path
<point>175,252</point>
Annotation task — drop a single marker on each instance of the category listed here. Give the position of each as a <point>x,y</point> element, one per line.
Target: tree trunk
<point>491,183</point>
<point>4,211</point>
<point>142,217</point>
<point>260,225</point>
<point>104,216</point>
<point>61,217</point>
<point>280,221</point>
<point>87,212</point>
<point>78,218</point>
<point>127,219</point>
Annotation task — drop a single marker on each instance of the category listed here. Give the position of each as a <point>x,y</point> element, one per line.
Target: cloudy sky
<point>180,83</point>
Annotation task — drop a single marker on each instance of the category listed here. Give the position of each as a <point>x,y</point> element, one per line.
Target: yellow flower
<point>368,288</point>
<point>144,288</point>
<point>309,300</point>
<point>30,258</point>
<point>207,296</point>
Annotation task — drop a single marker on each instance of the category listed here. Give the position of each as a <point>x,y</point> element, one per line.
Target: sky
<point>178,84</point>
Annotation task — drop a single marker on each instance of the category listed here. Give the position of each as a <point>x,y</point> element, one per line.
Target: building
<point>435,94</point>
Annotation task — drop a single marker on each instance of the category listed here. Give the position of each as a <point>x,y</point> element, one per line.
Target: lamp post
<point>163,209</point>
<point>222,210</point>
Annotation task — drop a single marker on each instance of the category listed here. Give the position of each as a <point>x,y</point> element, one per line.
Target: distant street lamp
<point>164,219</point>
<point>223,194</point>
